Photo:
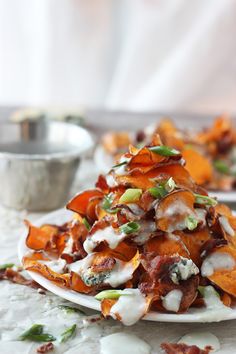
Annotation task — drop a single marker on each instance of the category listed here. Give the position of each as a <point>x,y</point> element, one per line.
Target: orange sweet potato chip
<point>173,209</point>
<point>39,237</point>
<point>198,166</point>
<point>31,264</point>
<point>80,202</point>
<point>223,278</point>
<point>166,246</point>
<point>144,181</point>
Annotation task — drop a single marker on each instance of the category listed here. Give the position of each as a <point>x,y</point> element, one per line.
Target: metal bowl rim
<point>77,152</point>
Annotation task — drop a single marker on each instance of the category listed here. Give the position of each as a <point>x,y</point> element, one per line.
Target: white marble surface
<point>20,306</point>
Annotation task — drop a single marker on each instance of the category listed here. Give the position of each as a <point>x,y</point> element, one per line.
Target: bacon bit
<point>174,348</point>
<point>16,277</point>
<point>210,245</point>
<point>105,265</point>
<point>102,184</point>
<point>45,348</point>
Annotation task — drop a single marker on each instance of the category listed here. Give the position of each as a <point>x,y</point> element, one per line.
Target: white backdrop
<point>119,54</point>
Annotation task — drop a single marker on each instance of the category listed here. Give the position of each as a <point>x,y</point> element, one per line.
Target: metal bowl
<point>38,163</point>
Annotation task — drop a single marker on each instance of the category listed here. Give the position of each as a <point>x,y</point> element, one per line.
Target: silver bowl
<point>38,163</point>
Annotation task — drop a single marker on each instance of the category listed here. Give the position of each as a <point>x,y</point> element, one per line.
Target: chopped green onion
<point>120,164</point>
<point>221,167</point>
<point>68,333</point>
<point>163,188</point>
<point>70,309</point>
<point>111,294</point>
<point>157,192</point>
<point>207,290</point>
<point>86,224</point>
<point>6,265</point>
<point>35,333</point>
<point>205,200</point>
<point>107,204</point>
<point>189,146</point>
<point>164,150</point>
<point>129,227</point>
<point>191,223</point>
<point>131,195</point>
<point>170,185</point>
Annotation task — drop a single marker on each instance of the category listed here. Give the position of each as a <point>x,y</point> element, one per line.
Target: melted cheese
<point>124,343</point>
<point>226,225</point>
<point>129,308</point>
<point>172,301</point>
<point>216,261</point>
<point>108,235</point>
<point>201,340</point>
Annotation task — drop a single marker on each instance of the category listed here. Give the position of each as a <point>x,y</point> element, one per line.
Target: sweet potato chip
<point>173,209</point>
<point>39,237</point>
<point>167,246</point>
<point>80,202</point>
<point>198,166</point>
<point>35,266</point>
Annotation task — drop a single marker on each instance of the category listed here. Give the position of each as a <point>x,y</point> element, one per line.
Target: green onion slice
<point>205,200</point>
<point>207,291</point>
<point>191,222</point>
<point>86,224</point>
<point>129,227</point>
<point>221,167</point>
<point>157,192</point>
<point>35,333</point>
<point>120,164</point>
<point>6,265</point>
<point>170,185</point>
<point>164,150</point>
<point>107,204</point>
<point>68,333</point>
<point>70,309</point>
<point>111,294</point>
<point>131,195</point>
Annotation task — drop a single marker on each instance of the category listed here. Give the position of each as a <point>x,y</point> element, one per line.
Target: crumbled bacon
<point>15,277</point>
<point>174,348</point>
<point>45,348</point>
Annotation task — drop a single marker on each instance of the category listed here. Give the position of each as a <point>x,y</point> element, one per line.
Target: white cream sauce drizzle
<point>82,265</point>
<point>201,215</point>
<point>121,170</point>
<point>172,301</point>
<point>124,343</point>
<point>111,181</point>
<point>57,266</point>
<point>215,309</point>
<point>216,261</point>
<point>108,234</point>
<point>145,232</point>
<point>201,340</point>
<point>176,208</point>
<point>226,225</point>
<point>130,308</point>
<point>69,247</point>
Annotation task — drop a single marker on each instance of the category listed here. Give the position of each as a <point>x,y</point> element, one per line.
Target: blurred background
<point>139,55</point>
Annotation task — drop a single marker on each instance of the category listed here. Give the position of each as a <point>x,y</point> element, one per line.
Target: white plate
<point>194,315</point>
<point>104,162</point>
